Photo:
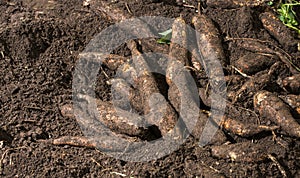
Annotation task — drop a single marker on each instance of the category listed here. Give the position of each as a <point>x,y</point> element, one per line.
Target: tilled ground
<point>40,43</point>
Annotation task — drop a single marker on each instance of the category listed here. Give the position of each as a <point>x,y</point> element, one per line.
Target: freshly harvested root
<point>244,151</point>
<point>245,130</point>
<point>117,120</point>
<point>175,72</point>
<point>258,82</point>
<point>124,96</point>
<point>253,45</point>
<point>240,128</point>
<point>206,98</point>
<point>74,141</point>
<point>177,53</point>
<point>100,141</point>
<point>292,84</point>
<point>231,81</point>
<point>147,86</point>
<point>245,21</point>
<point>272,107</point>
<point>281,32</point>
<point>179,36</point>
<point>150,45</point>
<point>218,138</point>
<point>258,46</point>
<point>234,3</point>
<point>254,84</point>
<point>195,60</point>
<point>113,61</point>
<point>209,42</point>
<point>213,58</point>
<point>294,102</point>
<point>252,63</point>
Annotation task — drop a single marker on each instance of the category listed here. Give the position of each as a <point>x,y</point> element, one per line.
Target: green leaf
<point>270,3</point>
<point>165,32</point>
<point>166,37</point>
<point>288,16</point>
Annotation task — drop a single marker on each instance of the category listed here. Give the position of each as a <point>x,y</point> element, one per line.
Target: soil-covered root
<point>250,87</point>
<point>258,46</point>
<point>294,102</point>
<point>102,142</point>
<point>209,41</point>
<point>234,3</point>
<point>118,120</point>
<point>243,129</point>
<point>178,46</point>
<point>147,86</point>
<point>218,138</point>
<point>211,51</point>
<point>278,30</point>
<point>74,141</point>
<point>292,84</point>
<point>252,63</point>
<point>273,108</point>
<point>257,82</point>
<point>244,151</point>
<point>113,61</point>
<point>176,74</point>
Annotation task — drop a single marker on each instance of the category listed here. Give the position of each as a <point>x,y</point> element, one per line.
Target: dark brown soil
<point>40,42</point>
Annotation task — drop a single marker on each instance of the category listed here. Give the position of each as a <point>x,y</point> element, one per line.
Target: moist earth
<point>40,43</point>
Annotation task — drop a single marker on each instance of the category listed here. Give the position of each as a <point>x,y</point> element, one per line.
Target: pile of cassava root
<point>257,89</point>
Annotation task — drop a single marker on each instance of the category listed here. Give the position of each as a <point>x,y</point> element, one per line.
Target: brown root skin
<point>254,84</point>
<point>175,72</point>
<point>219,137</point>
<point>245,130</point>
<point>113,61</point>
<point>119,121</point>
<point>292,100</point>
<point>242,129</point>
<point>274,109</point>
<point>179,36</point>
<point>292,84</point>
<point>243,152</point>
<point>278,30</point>
<point>209,41</point>
<point>99,141</point>
<point>252,63</point>
<point>257,82</point>
<point>147,86</point>
<point>258,46</point>
<point>74,141</point>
